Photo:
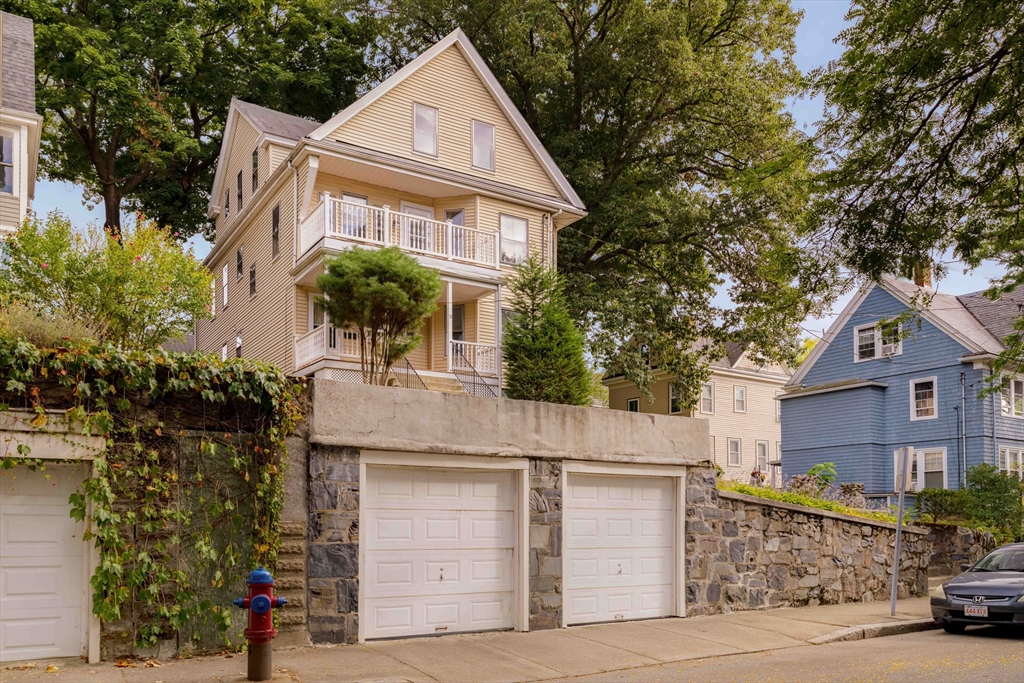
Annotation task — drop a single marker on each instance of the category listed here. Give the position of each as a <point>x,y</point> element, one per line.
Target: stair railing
<point>406,376</point>
<point>471,380</point>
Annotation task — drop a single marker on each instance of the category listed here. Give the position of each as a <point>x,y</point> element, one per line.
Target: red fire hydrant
<point>261,622</point>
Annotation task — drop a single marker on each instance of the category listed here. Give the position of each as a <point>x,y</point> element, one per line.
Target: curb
<point>865,631</point>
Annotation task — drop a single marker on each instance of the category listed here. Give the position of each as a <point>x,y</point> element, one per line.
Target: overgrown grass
<point>806,501</point>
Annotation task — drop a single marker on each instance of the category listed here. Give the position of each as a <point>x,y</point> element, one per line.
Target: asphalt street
<point>980,655</point>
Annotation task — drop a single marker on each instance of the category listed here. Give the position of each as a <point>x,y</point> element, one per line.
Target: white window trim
<point>701,407</point>
<point>224,286</point>
<point>728,452</point>
<point>878,343</point>
<point>17,162</point>
<point>671,391</point>
<point>935,398</point>
<point>767,454</point>
<point>735,398</point>
<point>919,458</point>
<point>1004,465</point>
<point>213,297</point>
<point>224,352</point>
<point>1010,379</point>
<point>778,406</point>
<point>525,242</point>
<point>437,130</point>
<point>630,402</point>
<point>494,145</point>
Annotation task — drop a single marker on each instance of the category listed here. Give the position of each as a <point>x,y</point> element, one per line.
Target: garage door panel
<point>619,548</point>
<point>620,528</point>
<point>27,582</point>
<point>596,491</point>
<point>393,488</point>
<point>596,569</point>
<point>422,572</point>
<point>438,551</point>
<point>39,531</point>
<point>38,633</point>
<point>395,617</point>
<point>426,529</point>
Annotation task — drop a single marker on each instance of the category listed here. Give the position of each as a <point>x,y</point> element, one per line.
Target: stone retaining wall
<point>747,553</point>
<point>955,545</point>
<point>545,544</point>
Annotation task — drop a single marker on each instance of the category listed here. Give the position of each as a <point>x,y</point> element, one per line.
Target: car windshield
<point>1001,560</point>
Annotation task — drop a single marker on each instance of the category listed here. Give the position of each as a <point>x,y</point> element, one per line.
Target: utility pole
<point>902,476</point>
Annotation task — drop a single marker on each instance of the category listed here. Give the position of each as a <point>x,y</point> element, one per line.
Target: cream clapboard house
<point>739,401</point>
<point>19,123</point>
<point>436,160</point>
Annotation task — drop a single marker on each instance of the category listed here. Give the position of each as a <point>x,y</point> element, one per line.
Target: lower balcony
<point>381,227</point>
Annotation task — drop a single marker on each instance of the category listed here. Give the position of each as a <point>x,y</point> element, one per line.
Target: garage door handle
<point>620,568</point>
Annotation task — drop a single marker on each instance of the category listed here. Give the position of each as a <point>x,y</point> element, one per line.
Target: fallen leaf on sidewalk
<point>52,669</point>
<point>152,663</point>
<point>125,663</point>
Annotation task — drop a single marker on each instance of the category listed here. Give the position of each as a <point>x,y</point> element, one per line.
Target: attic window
<point>7,164</point>
<point>238,190</point>
<point>424,139</point>
<point>483,145</point>
<point>879,340</point>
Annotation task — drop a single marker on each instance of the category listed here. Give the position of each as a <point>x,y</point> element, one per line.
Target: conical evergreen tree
<point>543,349</point>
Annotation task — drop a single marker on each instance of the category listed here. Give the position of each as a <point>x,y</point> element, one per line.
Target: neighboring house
<point>436,160</point>
<point>863,392</point>
<point>738,401</point>
<point>19,123</point>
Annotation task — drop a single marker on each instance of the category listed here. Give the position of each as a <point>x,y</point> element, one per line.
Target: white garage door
<point>619,548</point>
<point>439,551</point>
<point>40,565</point>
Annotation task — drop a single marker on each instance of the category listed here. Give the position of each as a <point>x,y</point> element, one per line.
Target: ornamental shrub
<point>386,296</point>
<point>543,349</point>
<point>996,499</point>
<point>939,505</point>
<point>135,294</point>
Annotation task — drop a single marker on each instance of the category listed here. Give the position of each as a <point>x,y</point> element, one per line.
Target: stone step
<point>448,384</point>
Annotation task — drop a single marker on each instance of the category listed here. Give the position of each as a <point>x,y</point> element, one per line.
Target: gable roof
<point>972,320</point>
<point>19,63</point>
<point>734,351</point>
<point>273,122</point>
<point>459,39</point>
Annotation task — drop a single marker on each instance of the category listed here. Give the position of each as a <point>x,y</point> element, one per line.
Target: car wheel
<point>953,627</point>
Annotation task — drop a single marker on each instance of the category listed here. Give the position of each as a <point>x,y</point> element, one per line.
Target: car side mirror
<point>965,566</point>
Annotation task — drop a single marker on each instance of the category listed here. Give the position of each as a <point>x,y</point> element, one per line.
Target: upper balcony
<point>381,227</point>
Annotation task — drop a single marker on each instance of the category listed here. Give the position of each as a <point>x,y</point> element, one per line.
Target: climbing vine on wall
<point>189,489</point>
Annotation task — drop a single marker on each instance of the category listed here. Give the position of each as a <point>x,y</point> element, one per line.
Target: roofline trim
<point>458,37</point>
<point>828,390</point>
<point>951,331</point>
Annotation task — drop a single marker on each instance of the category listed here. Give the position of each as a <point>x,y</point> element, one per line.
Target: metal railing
<point>383,227</point>
<point>471,380</point>
<point>406,376</point>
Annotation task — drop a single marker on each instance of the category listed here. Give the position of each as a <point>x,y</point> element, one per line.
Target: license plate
<point>975,611</point>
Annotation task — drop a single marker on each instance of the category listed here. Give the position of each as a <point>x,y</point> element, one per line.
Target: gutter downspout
<point>554,243</point>
<point>962,427</point>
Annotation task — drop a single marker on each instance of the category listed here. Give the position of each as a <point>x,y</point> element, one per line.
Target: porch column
<point>498,329</point>
<point>448,325</point>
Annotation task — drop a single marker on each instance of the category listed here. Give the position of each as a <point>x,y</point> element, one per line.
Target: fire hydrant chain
<point>259,602</point>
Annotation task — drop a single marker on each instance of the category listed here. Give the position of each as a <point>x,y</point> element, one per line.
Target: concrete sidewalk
<point>512,657</point>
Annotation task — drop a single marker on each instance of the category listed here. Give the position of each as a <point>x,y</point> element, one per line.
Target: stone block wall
<point>955,545</point>
<point>333,535</point>
<point>747,553</point>
<point>545,544</point>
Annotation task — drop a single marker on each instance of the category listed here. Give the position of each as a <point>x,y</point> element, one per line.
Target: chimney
<point>923,274</point>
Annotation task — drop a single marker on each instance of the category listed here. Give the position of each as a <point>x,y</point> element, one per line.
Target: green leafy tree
<point>135,294</point>
<point>542,348</point>
<point>996,499</point>
<point>135,93</point>
<point>807,345</point>
<point>386,296</point>
<point>669,120</point>
<point>923,126</point>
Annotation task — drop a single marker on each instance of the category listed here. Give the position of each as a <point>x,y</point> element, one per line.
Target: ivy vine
<point>190,484</point>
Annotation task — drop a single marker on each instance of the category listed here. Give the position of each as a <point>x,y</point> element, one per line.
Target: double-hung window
<point>224,352</point>
<point>927,469</point>
<point>1011,461</point>
<point>513,239</point>
<point>707,399</point>
<point>675,399</point>
<point>239,267</point>
<point>483,145</point>
<point>739,399</point>
<point>879,340</point>
<point>252,280</point>
<point>7,164</point>
<point>255,170</point>
<point>424,135</point>
<point>762,456</point>
<point>633,405</point>
<point>924,394</point>
<point>735,452</point>
<point>227,204</point>
<point>275,232</point>
<point>224,286</point>
<point>238,344</point>
<point>238,191</point>
<point>1012,397</point>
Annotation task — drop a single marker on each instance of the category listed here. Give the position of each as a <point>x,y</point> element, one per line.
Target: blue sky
<point>822,22</point>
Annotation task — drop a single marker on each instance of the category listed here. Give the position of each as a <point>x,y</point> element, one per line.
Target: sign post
<point>902,483</point>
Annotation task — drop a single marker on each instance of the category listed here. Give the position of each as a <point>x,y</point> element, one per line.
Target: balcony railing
<point>467,356</point>
<point>326,341</point>
<point>380,226</point>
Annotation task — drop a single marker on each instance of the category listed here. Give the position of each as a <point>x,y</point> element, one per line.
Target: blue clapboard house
<point>894,371</point>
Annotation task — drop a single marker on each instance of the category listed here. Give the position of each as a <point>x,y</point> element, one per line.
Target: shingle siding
<point>19,64</point>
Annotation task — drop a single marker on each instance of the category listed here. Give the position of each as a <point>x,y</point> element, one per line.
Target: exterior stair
<point>449,384</point>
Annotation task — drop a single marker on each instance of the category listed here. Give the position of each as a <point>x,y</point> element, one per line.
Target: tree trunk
<point>112,209</point>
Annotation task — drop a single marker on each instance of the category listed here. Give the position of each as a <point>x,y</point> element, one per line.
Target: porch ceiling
<point>389,178</point>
